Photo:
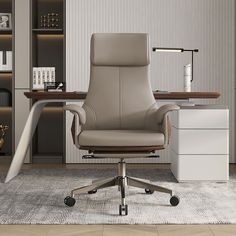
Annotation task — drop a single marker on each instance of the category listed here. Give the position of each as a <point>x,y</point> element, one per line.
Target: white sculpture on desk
<point>187,77</point>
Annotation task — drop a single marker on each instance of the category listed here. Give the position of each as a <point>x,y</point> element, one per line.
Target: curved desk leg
<point>25,139</point>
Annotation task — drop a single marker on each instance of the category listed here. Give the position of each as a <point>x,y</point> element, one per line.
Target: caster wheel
<point>92,191</point>
<point>69,201</point>
<point>149,191</point>
<point>123,210</point>
<point>174,200</point>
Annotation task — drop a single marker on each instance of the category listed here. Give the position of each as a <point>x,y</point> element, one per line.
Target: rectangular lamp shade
<point>167,49</point>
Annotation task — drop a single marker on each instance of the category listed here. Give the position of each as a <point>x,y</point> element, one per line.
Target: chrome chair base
<point>122,181</point>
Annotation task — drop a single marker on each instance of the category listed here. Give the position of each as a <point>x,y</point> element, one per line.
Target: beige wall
<point>205,24</point>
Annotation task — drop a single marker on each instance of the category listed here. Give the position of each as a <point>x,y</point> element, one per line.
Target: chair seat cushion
<point>118,138</point>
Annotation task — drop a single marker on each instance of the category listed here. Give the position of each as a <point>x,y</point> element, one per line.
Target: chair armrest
<point>78,120</point>
<point>76,110</point>
<point>164,121</point>
<point>163,110</point>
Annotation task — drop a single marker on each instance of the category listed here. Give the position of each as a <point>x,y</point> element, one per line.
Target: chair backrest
<point>119,94</point>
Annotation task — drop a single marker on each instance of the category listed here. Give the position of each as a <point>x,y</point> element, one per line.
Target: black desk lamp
<point>157,49</point>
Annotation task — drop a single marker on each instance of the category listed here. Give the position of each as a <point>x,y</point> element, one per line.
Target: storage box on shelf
<point>200,143</point>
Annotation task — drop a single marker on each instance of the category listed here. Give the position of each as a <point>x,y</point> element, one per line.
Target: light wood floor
<point>113,230</point>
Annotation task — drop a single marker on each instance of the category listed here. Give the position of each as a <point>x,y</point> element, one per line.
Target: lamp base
<point>186,104</point>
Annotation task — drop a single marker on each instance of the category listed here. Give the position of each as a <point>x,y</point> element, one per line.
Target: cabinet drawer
<point>200,167</point>
<point>200,141</point>
<point>201,118</point>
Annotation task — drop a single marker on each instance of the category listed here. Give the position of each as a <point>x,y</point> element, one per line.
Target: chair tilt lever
<point>153,156</point>
<point>88,157</point>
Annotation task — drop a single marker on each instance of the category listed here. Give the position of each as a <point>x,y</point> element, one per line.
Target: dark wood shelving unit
<point>7,82</point>
<point>48,51</point>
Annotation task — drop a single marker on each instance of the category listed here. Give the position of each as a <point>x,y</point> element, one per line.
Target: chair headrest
<point>120,49</point>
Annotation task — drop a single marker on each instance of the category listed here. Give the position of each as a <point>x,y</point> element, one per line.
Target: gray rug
<point>36,197</point>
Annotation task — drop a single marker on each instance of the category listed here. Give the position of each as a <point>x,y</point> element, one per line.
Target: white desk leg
<point>25,139</point>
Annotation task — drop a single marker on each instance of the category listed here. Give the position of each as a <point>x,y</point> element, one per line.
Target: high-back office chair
<point>120,118</point>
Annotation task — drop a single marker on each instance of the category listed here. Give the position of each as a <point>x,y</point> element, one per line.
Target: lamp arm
<point>192,66</point>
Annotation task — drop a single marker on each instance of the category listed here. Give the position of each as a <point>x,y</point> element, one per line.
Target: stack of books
<point>42,75</point>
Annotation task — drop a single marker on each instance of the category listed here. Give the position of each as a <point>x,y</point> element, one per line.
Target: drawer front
<point>200,141</point>
<point>201,118</point>
<point>200,167</point>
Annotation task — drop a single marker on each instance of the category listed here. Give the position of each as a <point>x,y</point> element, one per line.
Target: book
<point>53,74</point>
<point>35,75</point>
<point>1,60</point>
<point>5,60</point>
<point>9,60</point>
<point>40,78</point>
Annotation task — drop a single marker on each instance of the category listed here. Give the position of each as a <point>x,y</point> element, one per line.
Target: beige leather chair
<point>120,118</point>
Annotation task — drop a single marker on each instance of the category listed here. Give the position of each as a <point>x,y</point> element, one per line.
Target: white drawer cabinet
<point>200,143</point>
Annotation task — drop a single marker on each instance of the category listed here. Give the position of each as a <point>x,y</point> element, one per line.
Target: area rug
<point>36,197</point>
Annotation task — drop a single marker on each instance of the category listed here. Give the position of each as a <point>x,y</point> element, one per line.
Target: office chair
<point>120,118</point>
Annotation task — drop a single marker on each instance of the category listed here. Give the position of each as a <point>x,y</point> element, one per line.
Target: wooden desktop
<point>157,95</point>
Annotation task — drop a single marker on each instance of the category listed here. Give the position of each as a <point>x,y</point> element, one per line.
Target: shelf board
<point>5,31</point>
<point>5,159</point>
<point>5,71</point>
<point>6,109</point>
<point>5,155</point>
<point>42,158</point>
<point>53,109</point>
<point>46,154</point>
<point>48,31</point>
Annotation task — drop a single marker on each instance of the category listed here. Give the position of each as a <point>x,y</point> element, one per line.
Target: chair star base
<point>122,181</point>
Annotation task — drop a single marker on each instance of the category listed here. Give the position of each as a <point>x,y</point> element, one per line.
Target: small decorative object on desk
<point>54,86</point>
<point>5,21</point>
<point>42,75</point>
<point>5,60</point>
<point>187,77</point>
<point>161,91</point>
<point>49,21</point>
<point>3,128</point>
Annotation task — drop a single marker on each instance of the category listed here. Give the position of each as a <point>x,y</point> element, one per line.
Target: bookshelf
<point>47,50</point>
<point>7,83</point>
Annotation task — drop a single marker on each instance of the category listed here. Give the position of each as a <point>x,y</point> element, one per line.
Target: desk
<point>43,98</point>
